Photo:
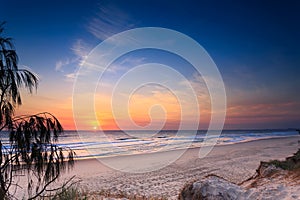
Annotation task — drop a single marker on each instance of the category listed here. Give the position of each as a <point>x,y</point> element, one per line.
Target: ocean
<point>90,144</point>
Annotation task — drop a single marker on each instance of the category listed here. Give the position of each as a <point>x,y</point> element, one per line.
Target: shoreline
<point>190,148</point>
<point>235,162</point>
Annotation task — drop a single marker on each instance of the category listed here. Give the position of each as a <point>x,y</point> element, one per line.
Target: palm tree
<point>32,147</point>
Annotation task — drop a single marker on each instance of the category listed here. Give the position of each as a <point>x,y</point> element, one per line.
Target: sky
<point>254,44</point>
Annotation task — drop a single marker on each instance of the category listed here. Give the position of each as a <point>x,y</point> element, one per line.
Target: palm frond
<point>33,138</point>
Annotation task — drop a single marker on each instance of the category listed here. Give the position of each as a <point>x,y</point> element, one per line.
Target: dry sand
<point>235,163</point>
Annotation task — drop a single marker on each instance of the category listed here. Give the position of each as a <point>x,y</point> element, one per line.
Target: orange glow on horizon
<point>160,106</point>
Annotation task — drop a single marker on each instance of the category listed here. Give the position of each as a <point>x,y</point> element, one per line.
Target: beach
<point>234,162</point>
<point>150,100</point>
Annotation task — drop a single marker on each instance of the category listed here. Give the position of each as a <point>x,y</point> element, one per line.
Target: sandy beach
<point>235,163</point>
<point>150,100</point>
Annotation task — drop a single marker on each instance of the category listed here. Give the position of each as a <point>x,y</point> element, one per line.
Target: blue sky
<point>255,45</point>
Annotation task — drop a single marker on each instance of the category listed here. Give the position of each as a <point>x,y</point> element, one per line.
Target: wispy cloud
<point>263,115</point>
<point>81,48</point>
<point>69,67</point>
<point>70,76</point>
<point>62,63</point>
<point>108,21</point>
<point>126,64</point>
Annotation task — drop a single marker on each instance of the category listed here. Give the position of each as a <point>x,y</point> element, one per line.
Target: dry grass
<point>72,193</point>
<point>76,193</point>
<point>290,163</point>
<point>124,195</point>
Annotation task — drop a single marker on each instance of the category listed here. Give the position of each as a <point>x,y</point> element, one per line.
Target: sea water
<point>89,144</point>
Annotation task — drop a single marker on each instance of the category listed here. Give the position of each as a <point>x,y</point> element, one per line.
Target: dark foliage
<point>290,163</point>
<point>32,149</point>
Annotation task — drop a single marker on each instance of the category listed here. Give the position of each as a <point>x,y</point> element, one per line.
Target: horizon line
<point>245,129</point>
